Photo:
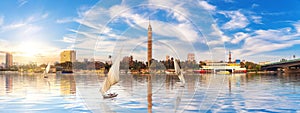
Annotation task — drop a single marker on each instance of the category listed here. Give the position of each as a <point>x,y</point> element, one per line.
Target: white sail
<point>178,72</point>
<point>47,68</point>
<point>112,76</point>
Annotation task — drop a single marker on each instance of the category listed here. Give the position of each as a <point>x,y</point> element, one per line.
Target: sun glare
<point>29,49</point>
<point>33,51</point>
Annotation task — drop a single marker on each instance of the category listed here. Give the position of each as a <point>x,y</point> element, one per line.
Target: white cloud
<point>207,6</point>
<point>31,39</point>
<point>183,31</point>
<point>256,19</point>
<point>99,21</point>
<point>231,1</point>
<point>261,41</point>
<point>176,8</point>
<point>254,5</point>
<point>117,10</point>
<point>297,26</point>
<point>69,40</point>
<point>1,20</point>
<point>45,15</point>
<point>217,32</point>
<point>85,34</point>
<point>4,45</point>
<point>254,46</point>
<point>239,37</point>
<point>22,2</point>
<point>13,26</point>
<point>64,20</point>
<point>282,34</point>
<point>238,20</point>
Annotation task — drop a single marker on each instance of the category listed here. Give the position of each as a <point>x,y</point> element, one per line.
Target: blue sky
<point>253,30</point>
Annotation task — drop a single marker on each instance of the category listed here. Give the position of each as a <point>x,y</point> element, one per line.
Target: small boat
<point>66,71</point>
<point>47,71</point>
<point>179,73</point>
<point>170,71</point>
<point>111,79</point>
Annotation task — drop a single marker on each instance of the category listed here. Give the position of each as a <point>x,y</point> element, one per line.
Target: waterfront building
<point>264,63</point>
<point>215,67</point>
<point>222,67</point>
<point>68,56</point>
<point>85,60</point>
<point>191,57</point>
<point>9,60</point>
<point>92,60</point>
<point>149,44</point>
<point>167,57</point>
<point>126,59</point>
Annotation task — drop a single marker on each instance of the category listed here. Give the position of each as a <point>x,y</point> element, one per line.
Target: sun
<point>29,49</point>
<point>35,51</point>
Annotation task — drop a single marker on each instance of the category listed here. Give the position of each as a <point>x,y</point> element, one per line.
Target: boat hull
<point>111,95</point>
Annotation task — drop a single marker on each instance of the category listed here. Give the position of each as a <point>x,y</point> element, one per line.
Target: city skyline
<point>252,30</point>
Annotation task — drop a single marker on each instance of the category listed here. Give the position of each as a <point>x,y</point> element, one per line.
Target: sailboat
<point>111,79</point>
<point>47,71</point>
<point>179,73</point>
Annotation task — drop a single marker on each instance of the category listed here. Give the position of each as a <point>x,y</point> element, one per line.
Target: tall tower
<point>149,43</point>
<point>229,59</point>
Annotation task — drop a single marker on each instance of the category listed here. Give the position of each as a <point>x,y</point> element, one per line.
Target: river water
<point>150,93</point>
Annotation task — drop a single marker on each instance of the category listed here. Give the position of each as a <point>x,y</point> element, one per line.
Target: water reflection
<point>151,93</point>
<point>149,97</point>
<point>67,85</point>
<point>34,93</point>
<point>8,83</point>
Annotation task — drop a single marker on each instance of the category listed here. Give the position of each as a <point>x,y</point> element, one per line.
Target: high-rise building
<point>126,59</point>
<point>85,60</point>
<point>9,60</point>
<point>229,58</point>
<point>167,57</point>
<point>68,56</point>
<point>149,44</point>
<point>191,57</point>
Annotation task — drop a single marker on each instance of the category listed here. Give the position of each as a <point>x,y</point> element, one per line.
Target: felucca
<point>179,73</point>
<point>111,79</point>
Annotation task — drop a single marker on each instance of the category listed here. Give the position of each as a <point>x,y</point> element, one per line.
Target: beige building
<point>68,56</point>
<point>167,57</point>
<point>191,57</point>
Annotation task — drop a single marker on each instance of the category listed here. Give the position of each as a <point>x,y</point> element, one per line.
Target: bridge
<point>286,66</point>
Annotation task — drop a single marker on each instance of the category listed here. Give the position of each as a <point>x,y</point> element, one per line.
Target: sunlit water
<point>150,93</point>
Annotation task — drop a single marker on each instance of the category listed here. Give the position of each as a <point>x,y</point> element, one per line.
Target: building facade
<point>68,56</point>
<point>8,60</point>
<point>191,57</point>
<point>167,57</point>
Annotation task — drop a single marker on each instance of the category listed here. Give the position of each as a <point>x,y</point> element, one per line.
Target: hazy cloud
<point>1,20</point>
<point>237,20</point>
<point>207,6</point>
<point>22,2</point>
<point>238,37</point>
<point>64,20</point>
<point>256,19</point>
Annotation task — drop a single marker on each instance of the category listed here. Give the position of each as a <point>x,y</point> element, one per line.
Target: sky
<point>253,30</point>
